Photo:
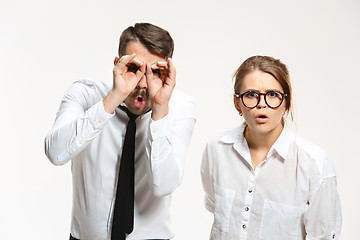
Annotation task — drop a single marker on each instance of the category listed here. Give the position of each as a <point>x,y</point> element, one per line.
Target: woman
<point>262,180</point>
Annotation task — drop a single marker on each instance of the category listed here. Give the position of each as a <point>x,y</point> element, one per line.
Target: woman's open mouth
<point>261,118</point>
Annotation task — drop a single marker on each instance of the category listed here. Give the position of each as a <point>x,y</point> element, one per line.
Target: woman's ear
<point>237,104</point>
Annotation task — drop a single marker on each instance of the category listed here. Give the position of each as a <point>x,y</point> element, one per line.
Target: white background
<point>46,45</point>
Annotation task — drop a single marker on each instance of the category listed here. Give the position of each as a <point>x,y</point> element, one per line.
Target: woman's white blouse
<point>290,195</point>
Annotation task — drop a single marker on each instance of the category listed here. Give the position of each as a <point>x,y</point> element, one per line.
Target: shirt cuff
<point>98,116</point>
<point>160,128</point>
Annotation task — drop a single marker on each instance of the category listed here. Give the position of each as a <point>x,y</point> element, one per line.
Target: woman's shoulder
<point>314,155</point>
<point>308,147</point>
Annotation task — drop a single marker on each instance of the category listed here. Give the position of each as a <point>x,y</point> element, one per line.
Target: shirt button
<point>154,157</point>
<point>154,130</point>
<point>246,209</point>
<point>80,141</point>
<point>250,190</point>
<point>243,226</point>
<point>101,121</point>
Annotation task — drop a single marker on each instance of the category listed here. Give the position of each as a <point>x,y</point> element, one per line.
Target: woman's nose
<point>262,102</point>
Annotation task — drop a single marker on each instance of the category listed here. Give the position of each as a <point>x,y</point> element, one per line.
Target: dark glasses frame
<point>283,95</point>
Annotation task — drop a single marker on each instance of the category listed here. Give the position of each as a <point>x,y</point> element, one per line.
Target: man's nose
<point>142,83</point>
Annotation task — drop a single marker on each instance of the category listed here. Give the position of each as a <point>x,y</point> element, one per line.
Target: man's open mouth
<point>139,101</point>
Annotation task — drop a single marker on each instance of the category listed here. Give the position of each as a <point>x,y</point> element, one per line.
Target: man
<point>111,200</point>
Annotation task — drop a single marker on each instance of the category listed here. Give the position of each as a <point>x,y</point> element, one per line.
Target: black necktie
<point>123,218</point>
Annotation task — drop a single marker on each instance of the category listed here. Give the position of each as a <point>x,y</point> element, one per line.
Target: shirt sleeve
<point>206,181</point>
<point>168,141</point>
<point>80,118</point>
<point>323,216</point>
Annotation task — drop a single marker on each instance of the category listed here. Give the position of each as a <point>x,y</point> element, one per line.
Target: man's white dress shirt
<point>290,195</point>
<point>93,139</point>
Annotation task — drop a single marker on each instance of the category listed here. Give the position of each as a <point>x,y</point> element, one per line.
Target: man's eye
<point>133,68</point>
<point>156,72</point>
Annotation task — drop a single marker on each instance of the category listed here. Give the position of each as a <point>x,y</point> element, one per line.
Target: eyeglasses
<point>251,99</point>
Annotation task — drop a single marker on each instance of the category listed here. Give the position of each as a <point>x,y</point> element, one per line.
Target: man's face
<point>138,100</point>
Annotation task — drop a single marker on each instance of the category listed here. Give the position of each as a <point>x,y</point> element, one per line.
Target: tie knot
<point>130,114</point>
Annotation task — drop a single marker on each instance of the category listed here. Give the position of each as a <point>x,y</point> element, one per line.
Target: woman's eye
<point>273,94</point>
<point>251,95</point>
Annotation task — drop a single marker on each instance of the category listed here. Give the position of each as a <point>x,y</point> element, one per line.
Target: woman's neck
<point>262,141</point>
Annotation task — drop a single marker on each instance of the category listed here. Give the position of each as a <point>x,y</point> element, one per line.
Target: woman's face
<point>262,118</point>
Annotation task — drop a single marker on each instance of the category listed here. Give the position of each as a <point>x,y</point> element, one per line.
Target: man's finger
<point>162,64</point>
<point>149,72</point>
<point>136,61</point>
<point>154,66</point>
<point>140,72</point>
<point>124,60</point>
<point>172,70</point>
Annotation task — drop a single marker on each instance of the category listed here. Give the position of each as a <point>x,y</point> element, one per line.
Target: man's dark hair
<point>153,38</point>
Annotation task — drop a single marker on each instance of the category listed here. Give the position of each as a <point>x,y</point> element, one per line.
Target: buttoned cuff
<point>160,128</point>
<point>159,132</point>
<point>98,116</point>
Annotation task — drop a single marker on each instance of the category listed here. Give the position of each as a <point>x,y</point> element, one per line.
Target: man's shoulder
<point>86,92</point>
<point>89,83</point>
<point>180,97</point>
<point>182,104</point>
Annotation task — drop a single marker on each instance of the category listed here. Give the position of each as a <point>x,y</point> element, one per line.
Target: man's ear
<point>116,60</point>
<point>237,104</point>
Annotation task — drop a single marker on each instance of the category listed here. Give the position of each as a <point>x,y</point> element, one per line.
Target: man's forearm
<point>112,101</point>
<point>159,111</point>
<point>167,145</point>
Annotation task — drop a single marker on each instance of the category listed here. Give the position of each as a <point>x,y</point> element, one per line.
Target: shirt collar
<point>236,136</point>
<point>282,144</point>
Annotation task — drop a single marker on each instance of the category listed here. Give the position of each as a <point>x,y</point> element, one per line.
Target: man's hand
<point>161,82</point>
<point>125,80</point>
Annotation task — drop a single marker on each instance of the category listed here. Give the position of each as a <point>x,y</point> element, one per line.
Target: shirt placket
<point>249,196</point>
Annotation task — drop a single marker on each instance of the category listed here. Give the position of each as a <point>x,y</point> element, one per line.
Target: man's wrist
<point>112,101</point>
<point>159,111</point>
